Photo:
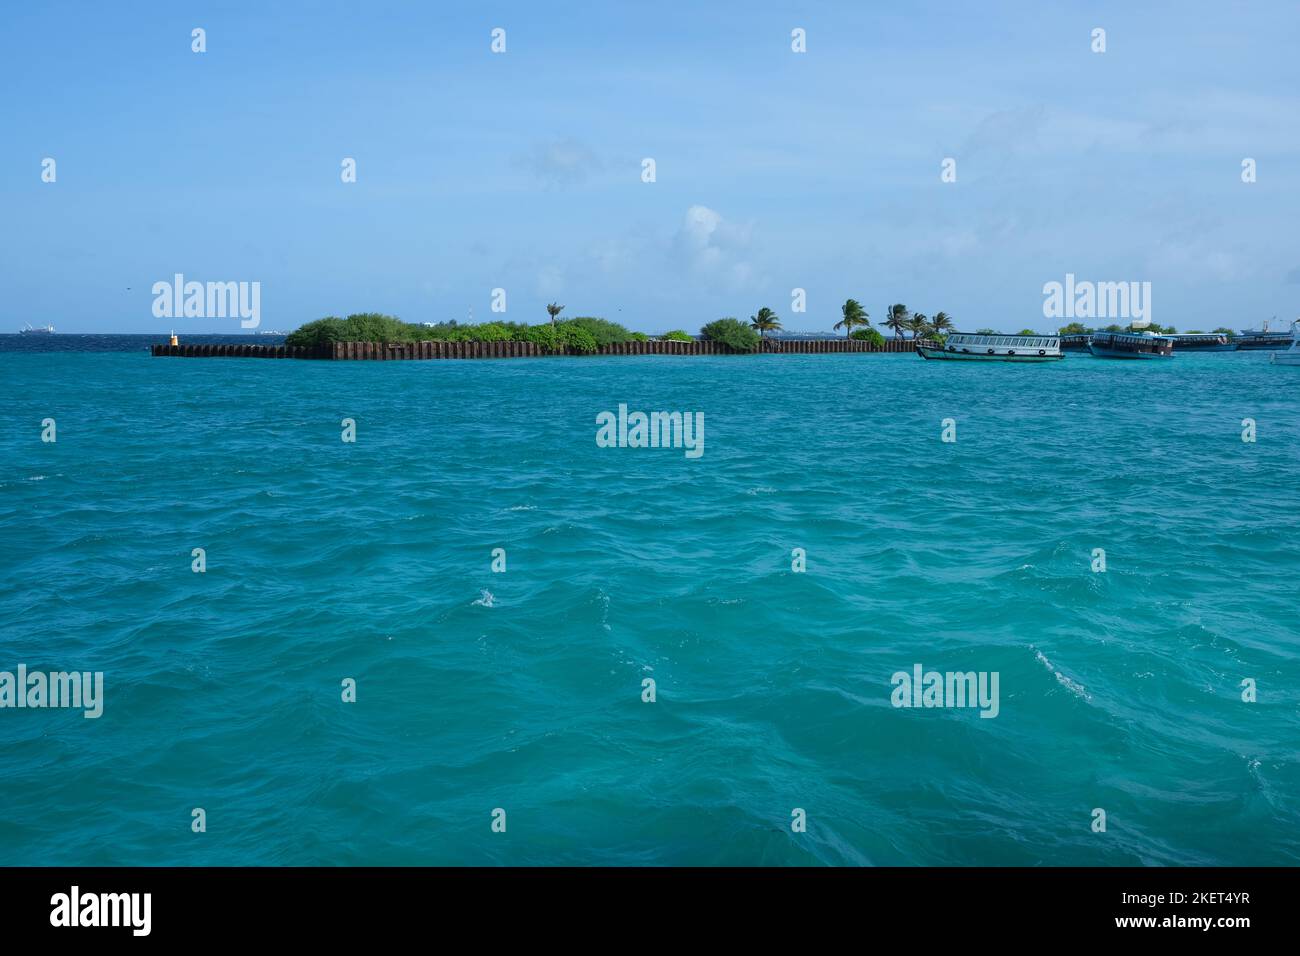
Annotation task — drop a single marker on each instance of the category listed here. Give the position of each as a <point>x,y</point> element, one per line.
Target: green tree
<point>732,333</point>
<point>319,332</point>
<point>853,315</point>
<point>604,331</point>
<point>941,323</point>
<point>358,327</point>
<point>553,310</point>
<point>918,324</point>
<point>986,332</point>
<point>896,317</point>
<point>766,321</point>
<point>1026,332</point>
<point>869,335</point>
<point>576,338</point>
<point>488,332</point>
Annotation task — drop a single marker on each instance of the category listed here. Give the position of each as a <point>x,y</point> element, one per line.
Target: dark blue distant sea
<point>113,342</point>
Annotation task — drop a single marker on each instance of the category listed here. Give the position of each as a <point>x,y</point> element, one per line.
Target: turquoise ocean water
<point>1118,690</point>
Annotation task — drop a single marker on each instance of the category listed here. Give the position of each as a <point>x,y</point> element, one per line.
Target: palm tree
<point>766,321</point>
<point>854,314</point>
<point>896,317</point>
<point>553,310</point>
<point>918,324</point>
<point>941,323</point>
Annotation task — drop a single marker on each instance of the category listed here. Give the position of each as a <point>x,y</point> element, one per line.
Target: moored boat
<point>968,347</point>
<point>1202,342</point>
<point>40,330</point>
<point>1131,345</point>
<point>1256,340</point>
<point>1263,341</point>
<point>1076,342</point>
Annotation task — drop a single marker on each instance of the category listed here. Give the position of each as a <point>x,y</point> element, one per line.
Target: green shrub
<point>441,332</point>
<point>640,337</point>
<point>602,330</point>
<point>869,335</point>
<point>733,333</point>
<point>358,327</point>
<point>560,337</point>
<point>488,332</point>
<point>677,335</point>
<point>377,327</point>
<point>576,337</point>
<point>374,327</point>
<point>545,337</point>
<point>320,332</point>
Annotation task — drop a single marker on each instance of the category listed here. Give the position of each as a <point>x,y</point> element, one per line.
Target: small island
<point>373,335</point>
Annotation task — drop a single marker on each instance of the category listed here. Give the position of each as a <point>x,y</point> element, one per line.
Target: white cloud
<point>713,248</point>
<point>560,162</point>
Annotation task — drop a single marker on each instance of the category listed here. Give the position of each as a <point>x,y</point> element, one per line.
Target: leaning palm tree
<point>766,321</point>
<point>942,322</point>
<point>854,314</point>
<point>896,317</point>
<point>918,324</point>
<point>553,310</point>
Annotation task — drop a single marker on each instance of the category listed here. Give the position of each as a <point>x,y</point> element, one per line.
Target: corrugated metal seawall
<point>397,351</point>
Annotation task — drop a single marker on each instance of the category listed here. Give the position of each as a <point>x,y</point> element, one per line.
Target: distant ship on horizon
<point>42,330</point>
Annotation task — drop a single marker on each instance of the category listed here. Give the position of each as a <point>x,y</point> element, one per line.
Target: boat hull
<point>940,355</point>
<point>1102,352</point>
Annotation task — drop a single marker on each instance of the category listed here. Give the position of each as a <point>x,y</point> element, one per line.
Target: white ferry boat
<point>968,347</point>
<point>40,330</point>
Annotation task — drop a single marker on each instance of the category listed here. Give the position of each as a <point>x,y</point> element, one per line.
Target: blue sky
<point>522,171</point>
